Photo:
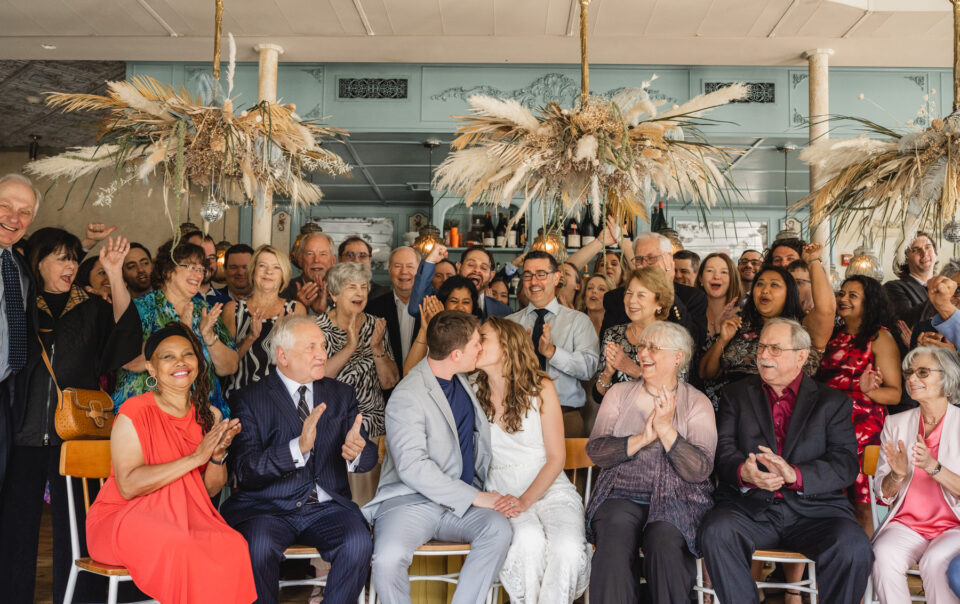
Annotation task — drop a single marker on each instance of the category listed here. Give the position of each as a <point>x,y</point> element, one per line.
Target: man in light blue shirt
<point>564,339</point>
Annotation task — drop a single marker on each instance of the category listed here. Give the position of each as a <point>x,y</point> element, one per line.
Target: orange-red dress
<point>173,541</point>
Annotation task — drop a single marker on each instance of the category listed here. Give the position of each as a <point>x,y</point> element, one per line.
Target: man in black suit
<point>689,303</point>
<point>301,434</point>
<point>908,293</point>
<point>402,327</point>
<point>19,347</point>
<point>786,450</point>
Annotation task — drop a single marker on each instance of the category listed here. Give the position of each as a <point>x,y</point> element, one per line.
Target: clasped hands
<point>779,473</point>
<point>508,505</point>
<point>897,457</point>
<point>216,441</point>
<point>353,444</point>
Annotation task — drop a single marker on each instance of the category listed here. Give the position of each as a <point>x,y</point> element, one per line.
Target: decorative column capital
<point>809,54</point>
<point>276,47</point>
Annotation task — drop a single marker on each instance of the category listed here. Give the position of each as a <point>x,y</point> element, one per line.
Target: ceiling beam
<point>156,17</point>
<point>363,17</point>
<point>783,17</point>
<point>363,170</point>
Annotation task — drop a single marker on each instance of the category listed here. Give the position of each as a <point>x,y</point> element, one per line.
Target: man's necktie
<point>303,410</point>
<point>536,333</point>
<point>16,317</point>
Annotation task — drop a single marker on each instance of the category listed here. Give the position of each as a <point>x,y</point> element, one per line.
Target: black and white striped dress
<point>360,371</point>
<point>255,364</point>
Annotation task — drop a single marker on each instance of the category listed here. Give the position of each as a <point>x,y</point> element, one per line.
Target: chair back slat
<point>577,457</point>
<point>871,455</point>
<point>86,494</point>
<point>85,458</point>
<point>381,448</point>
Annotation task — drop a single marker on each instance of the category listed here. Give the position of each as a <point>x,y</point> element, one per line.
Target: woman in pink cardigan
<point>917,477</point>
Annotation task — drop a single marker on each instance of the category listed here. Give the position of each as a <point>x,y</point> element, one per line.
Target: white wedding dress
<point>549,558</point>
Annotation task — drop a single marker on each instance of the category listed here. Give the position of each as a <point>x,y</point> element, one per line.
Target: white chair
<point>87,460</point>
<point>780,556</point>
<point>304,552</point>
<point>871,456</point>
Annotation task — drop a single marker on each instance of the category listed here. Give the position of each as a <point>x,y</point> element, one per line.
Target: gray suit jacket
<point>423,461</point>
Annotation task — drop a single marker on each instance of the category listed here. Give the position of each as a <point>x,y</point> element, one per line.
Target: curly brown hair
<point>168,258</point>
<point>521,370</point>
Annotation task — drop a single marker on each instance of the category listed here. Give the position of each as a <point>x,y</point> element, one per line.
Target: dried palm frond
<point>150,124</point>
<point>908,179</point>
<point>599,151</point>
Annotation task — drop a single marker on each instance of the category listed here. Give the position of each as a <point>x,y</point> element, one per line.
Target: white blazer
<point>905,426</point>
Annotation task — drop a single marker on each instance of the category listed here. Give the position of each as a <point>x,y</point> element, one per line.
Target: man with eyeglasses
<point>476,264</point>
<point>908,293</point>
<point>564,339</point>
<point>786,450</point>
<point>689,303</point>
<point>357,249</point>
<point>748,266</point>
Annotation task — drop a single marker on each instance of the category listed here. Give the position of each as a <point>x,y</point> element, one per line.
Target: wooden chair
<point>87,460</point>
<point>871,457</point>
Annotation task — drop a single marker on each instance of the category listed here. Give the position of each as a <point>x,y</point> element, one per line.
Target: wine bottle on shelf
<point>573,234</point>
<point>659,220</point>
<point>512,238</point>
<point>501,232</point>
<point>489,239</point>
<point>522,230</point>
<point>589,232</point>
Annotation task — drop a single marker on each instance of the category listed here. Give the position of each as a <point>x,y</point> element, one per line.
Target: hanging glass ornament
<point>951,232</point>
<point>212,209</point>
<point>865,262</point>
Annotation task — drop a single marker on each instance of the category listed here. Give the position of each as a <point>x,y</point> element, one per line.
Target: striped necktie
<point>16,316</point>
<point>303,410</point>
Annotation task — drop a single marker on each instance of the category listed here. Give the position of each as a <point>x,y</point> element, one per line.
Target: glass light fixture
<point>221,248</point>
<point>951,232</point>
<point>551,243</point>
<point>212,209</point>
<point>428,239</point>
<point>865,262</point>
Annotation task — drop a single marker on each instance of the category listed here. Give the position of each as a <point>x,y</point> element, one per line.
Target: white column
<point>266,91</point>
<point>819,63</point>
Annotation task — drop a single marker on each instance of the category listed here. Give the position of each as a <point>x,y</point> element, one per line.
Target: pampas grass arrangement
<point>150,125</point>
<point>616,152</point>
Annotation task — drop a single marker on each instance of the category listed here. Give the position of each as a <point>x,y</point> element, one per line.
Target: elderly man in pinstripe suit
<point>301,434</point>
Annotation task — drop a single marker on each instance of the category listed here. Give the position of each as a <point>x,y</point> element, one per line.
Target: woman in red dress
<point>862,361</point>
<point>154,514</point>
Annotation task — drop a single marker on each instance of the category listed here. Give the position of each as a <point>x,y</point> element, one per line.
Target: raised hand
<point>232,429</point>
<point>729,328</point>
<point>256,325</point>
<point>611,232</point>
<point>429,308</point>
<point>933,338</point>
<point>186,313</point>
<point>750,473</point>
<point>649,433</point>
<point>308,434</point>
<point>921,456</point>
<point>307,293</point>
<point>379,329</point>
<point>95,232</point>
<point>615,356</point>
<point>211,440</point>
<point>355,442</point>
<point>438,253</point>
<point>871,379</point>
<point>546,347</point>
<point>811,252</point>
<point>777,464</point>
<point>113,253</point>
<point>208,318</point>
<point>896,458</point>
<point>941,290</point>
<point>665,404</point>
<point>905,332</point>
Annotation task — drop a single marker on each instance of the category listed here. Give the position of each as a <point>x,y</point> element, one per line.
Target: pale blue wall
<point>437,91</point>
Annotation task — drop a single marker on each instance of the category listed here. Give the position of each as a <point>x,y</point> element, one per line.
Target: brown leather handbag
<point>81,414</point>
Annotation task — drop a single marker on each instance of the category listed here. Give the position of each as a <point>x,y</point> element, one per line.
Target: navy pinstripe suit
<point>270,508</point>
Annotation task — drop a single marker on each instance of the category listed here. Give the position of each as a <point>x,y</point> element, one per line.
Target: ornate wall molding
<point>372,88</point>
<point>919,80</point>
<point>760,92</point>
<point>798,78</point>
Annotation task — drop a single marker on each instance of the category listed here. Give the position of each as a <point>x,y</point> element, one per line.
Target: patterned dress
<point>360,370</point>
<point>841,368</point>
<point>255,364</point>
<point>156,312</point>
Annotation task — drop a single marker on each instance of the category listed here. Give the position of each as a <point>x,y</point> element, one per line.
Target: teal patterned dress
<point>156,312</point>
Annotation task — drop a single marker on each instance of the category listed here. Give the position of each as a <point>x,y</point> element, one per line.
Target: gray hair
<point>23,180</point>
<point>951,269</point>
<point>311,235</point>
<point>395,250</point>
<point>670,335</point>
<point>283,334</point>
<point>665,246</point>
<point>949,363</point>
<point>344,273</point>
<point>799,338</point>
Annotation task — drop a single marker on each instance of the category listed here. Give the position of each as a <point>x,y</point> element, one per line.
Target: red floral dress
<point>841,368</point>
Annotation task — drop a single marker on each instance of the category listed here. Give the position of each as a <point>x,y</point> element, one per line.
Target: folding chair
<point>87,460</point>
<point>871,456</point>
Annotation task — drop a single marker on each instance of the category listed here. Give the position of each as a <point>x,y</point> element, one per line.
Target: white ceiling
<point>655,32</point>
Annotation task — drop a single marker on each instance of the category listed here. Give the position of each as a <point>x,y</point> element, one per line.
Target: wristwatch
<point>936,469</point>
<point>222,459</point>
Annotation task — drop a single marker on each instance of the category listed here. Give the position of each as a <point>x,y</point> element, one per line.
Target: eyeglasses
<point>197,268</point>
<point>646,260</point>
<point>757,262</point>
<point>653,348</point>
<point>540,275</point>
<point>355,256</point>
<point>922,372</point>
<point>775,350</point>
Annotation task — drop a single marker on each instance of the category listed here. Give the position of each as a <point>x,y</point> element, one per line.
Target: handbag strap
<point>46,361</point>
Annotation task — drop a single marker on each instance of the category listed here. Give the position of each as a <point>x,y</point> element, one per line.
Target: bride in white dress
<point>549,558</point>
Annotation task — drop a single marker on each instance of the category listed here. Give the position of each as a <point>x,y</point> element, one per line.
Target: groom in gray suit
<point>431,486</point>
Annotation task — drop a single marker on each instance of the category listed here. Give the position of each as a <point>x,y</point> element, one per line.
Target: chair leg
<point>71,584</point>
<point>373,591</point>
<point>813,582</point>
<point>112,590</point>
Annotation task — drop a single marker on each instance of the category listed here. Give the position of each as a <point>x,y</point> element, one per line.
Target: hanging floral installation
<point>617,152</point>
<point>198,141</point>
<point>885,176</point>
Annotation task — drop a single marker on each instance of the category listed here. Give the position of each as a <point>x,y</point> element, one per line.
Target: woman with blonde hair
<point>249,321</point>
<point>590,299</point>
<point>548,560</point>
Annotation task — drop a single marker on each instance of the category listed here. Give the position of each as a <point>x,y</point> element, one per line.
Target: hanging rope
<point>218,25</point>
<point>585,67</point>
<point>956,54</point>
